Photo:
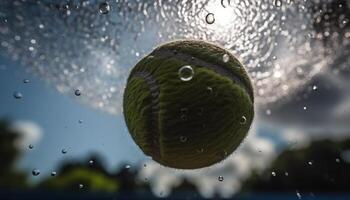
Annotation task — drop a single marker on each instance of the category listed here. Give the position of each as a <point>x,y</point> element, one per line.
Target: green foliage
<point>318,167</point>
<point>92,181</point>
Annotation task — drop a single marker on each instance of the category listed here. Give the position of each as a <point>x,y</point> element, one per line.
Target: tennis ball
<point>188,104</point>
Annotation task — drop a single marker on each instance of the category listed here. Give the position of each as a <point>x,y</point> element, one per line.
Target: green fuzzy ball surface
<point>184,120</point>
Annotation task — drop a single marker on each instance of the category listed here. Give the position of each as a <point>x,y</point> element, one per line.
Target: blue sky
<point>58,116</point>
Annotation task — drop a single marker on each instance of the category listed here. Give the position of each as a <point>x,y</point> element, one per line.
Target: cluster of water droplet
<point>92,45</point>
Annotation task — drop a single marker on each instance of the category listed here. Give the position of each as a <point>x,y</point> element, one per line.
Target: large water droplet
<point>17,95</point>
<point>186,73</point>
<point>210,19</point>
<point>104,8</point>
<point>225,58</point>
<point>221,178</point>
<point>35,172</point>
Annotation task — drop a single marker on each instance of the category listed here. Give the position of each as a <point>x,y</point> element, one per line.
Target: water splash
<point>71,45</point>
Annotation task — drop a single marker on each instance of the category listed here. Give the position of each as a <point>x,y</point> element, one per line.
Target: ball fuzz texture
<point>188,104</point>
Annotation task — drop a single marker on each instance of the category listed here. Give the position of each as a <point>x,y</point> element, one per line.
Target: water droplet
<point>77,92</point>
<point>273,173</point>
<point>298,195</point>
<point>274,58</point>
<point>210,19</point>
<point>17,95</point>
<point>81,186</point>
<point>278,3</point>
<point>127,166</point>
<point>268,112</point>
<point>31,146</point>
<point>305,108</point>
<point>225,58</point>
<point>64,151</point>
<point>186,73</point>
<point>310,162</point>
<point>144,165</point>
<point>183,138</point>
<point>104,8</point>
<point>91,162</point>
<point>184,117</point>
<point>209,90</point>
<point>35,172</point>
<point>184,110</point>
<point>314,87</point>
<point>53,173</point>
<point>243,120</point>
<point>286,173</point>
<point>221,178</point>
<point>80,121</point>
<point>201,150</point>
<point>26,80</point>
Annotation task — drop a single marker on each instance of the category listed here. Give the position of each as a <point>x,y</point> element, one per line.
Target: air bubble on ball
<point>221,178</point>
<point>35,172</point>
<point>225,58</point>
<point>104,8</point>
<point>243,120</point>
<point>183,138</point>
<point>81,186</point>
<point>53,173</point>
<point>77,92</point>
<point>17,95</point>
<point>209,18</point>
<point>64,151</point>
<point>200,111</point>
<point>186,73</point>
<point>209,90</point>
<point>31,146</point>
<point>201,150</point>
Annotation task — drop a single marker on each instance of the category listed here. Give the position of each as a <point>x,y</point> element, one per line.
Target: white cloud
<point>30,133</point>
